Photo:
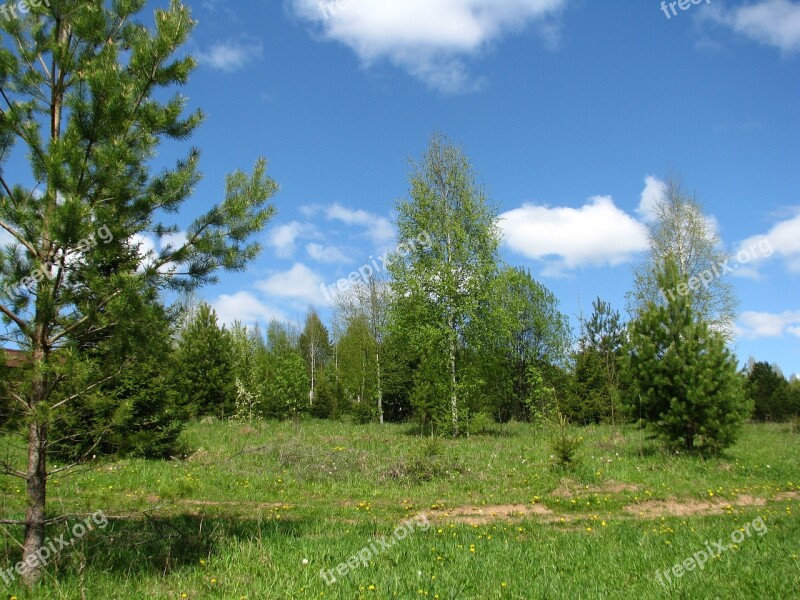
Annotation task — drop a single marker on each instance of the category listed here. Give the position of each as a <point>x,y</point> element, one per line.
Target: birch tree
<point>680,231</point>
<point>446,259</point>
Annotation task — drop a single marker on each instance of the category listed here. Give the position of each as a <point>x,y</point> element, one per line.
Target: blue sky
<point>571,111</point>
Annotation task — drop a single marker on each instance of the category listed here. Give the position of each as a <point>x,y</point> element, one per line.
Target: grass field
<point>259,511</point>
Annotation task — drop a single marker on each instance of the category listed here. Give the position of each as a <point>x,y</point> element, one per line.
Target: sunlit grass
<point>256,511</point>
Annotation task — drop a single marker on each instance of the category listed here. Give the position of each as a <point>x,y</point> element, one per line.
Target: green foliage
<point>430,394</point>
<point>135,412</point>
<point>356,361</point>
<point>399,364</point>
<point>681,234</point>
<point>684,380</point>
<point>772,396</point>
<point>427,461</point>
<point>481,423</point>
<point>565,444</point>
<point>363,413</point>
<point>523,328</point>
<point>88,98</point>
<point>597,386</point>
<point>446,262</point>
<point>315,347</point>
<point>204,367</point>
<point>286,385</point>
<point>249,358</point>
<point>541,397</point>
<point>329,402</point>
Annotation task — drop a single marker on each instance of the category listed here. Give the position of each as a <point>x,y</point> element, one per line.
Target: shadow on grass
<point>153,545</point>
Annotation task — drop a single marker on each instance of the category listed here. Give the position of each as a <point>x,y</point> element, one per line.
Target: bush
<point>481,423</point>
<point>363,413</point>
<point>426,462</point>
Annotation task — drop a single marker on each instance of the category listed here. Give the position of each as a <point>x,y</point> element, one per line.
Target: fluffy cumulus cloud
<point>246,308</point>
<point>565,238</point>
<point>298,283</point>
<point>652,194</point>
<point>782,241</point>
<point>230,56</point>
<point>283,238</point>
<point>430,39</point>
<point>377,228</point>
<point>753,325</point>
<point>771,22</point>
<point>327,254</point>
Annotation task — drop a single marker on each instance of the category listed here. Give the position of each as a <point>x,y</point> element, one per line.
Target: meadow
<point>263,510</point>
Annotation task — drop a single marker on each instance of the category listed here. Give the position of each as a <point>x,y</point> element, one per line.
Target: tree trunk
<point>313,370</point>
<point>380,389</point>
<point>453,394</point>
<point>37,478</point>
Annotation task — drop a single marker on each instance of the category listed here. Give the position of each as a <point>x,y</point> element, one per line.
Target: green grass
<point>257,511</point>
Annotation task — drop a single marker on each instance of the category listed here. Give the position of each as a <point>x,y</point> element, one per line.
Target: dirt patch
<point>685,508</point>
<point>788,496</point>
<point>481,515</point>
<point>570,488</point>
<point>257,505</point>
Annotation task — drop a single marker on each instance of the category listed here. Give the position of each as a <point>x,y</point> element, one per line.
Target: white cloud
<point>298,283</point>
<point>429,39</point>
<point>146,249</point>
<point>378,228</point>
<point>754,325</point>
<point>284,237</point>
<point>230,56</point>
<point>782,240</point>
<point>566,238</point>
<point>326,254</point>
<point>652,194</point>
<point>771,22</point>
<point>176,240</point>
<point>244,307</point>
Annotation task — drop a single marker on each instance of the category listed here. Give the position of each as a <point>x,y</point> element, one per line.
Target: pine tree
<point>204,367</point>
<point>685,384</point>
<point>86,96</point>
<point>597,365</point>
